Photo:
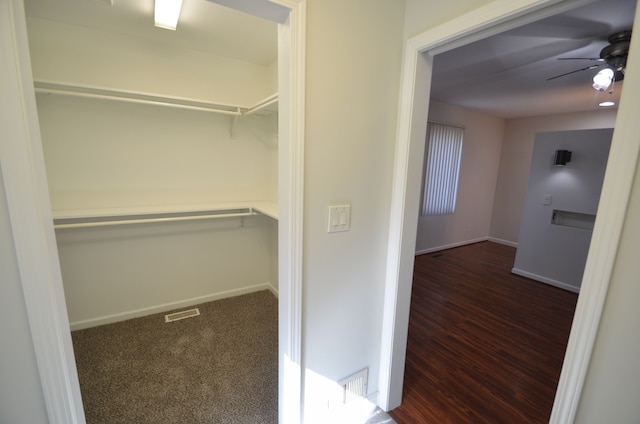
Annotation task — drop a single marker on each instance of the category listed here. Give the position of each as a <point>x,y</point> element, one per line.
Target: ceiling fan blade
<point>597,59</point>
<point>573,72</point>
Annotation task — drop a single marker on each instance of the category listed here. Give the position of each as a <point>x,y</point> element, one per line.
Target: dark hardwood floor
<point>485,345</point>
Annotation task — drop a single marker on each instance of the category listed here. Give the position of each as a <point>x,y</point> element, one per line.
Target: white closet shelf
<point>64,219</point>
<point>78,90</point>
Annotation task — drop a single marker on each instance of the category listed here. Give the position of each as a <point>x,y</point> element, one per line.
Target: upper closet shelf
<point>64,219</point>
<point>51,87</point>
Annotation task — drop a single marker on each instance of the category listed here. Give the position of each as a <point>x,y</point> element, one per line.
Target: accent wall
<point>560,207</point>
<point>515,163</point>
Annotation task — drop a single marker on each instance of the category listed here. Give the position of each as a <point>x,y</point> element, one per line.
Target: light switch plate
<point>339,218</point>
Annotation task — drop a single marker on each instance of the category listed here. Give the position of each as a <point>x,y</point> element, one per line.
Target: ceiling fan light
<point>602,80</point>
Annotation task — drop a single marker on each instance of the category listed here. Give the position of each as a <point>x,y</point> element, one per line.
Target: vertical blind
<point>442,168</point>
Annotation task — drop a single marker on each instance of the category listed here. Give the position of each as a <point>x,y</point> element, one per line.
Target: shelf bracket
<point>233,121</point>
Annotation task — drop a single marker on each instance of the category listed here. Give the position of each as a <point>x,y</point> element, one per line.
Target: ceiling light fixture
<point>603,79</point>
<point>607,104</point>
<point>166,13</point>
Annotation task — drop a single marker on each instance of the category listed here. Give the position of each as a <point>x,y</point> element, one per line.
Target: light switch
<point>339,218</point>
<point>546,199</point>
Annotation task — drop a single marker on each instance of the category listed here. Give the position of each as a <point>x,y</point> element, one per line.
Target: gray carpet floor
<point>219,367</point>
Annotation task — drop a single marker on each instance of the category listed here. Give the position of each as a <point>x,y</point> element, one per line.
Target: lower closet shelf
<point>103,218</point>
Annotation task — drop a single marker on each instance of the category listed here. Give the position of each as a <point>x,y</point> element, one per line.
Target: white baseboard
<point>373,397</point>
<point>110,319</point>
<point>450,246</point>
<point>546,280</point>
<point>273,290</point>
<point>502,241</point>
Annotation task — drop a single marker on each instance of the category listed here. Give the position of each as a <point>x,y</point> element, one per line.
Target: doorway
<point>412,125</point>
<point>499,144</point>
<point>31,222</point>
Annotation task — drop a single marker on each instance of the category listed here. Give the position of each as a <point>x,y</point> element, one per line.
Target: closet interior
<point>161,153</point>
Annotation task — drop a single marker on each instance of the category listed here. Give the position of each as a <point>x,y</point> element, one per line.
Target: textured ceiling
<point>506,74</point>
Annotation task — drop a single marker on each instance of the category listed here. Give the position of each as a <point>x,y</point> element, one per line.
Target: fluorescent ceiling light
<point>166,13</point>
<point>603,79</point>
<point>605,104</point>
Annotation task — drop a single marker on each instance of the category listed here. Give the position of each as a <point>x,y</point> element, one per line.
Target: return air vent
<point>354,386</point>
<point>177,316</point>
<point>347,390</point>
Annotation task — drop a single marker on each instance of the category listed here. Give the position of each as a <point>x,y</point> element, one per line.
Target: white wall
<point>354,53</point>
<point>116,273</point>
<point>556,254</point>
<point>515,163</point>
<point>102,154</point>
<point>477,182</point>
<point>613,379</point>
<point>21,398</point>
<point>421,15</point>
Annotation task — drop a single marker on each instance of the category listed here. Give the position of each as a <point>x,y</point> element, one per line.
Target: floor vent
<point>354,386</point>
<point>176,316</point>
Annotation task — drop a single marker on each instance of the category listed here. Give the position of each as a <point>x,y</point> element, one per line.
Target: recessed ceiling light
<point>606,104</point>
<point>166,13</point>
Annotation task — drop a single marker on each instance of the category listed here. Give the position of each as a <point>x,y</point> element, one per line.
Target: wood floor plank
<point>484,345</point>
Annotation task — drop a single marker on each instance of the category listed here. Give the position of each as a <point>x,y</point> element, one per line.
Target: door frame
<point>491,19</point>
<point>29,207</point>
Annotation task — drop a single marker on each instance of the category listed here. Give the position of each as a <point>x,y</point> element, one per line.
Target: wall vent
<point>176,316</point>
<point>354,386</point>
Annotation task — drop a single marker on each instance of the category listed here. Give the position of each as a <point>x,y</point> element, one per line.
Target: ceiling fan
<point>614,56</point>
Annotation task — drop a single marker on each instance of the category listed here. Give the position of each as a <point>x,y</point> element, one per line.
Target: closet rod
<point>251,212</point>
<point>139,98</point>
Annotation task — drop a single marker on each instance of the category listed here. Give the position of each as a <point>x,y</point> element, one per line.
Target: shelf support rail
<point>104,221</point>
<point>232,125</point>
<point>47,87</point>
